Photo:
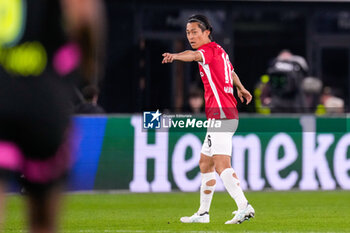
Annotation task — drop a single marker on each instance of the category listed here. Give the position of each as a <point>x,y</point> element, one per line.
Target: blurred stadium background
<point>252,32</point>
<point>275,149</point>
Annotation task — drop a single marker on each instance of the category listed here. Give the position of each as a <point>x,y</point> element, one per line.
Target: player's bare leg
<point>206,165</point>
<point>231,183</point>
<point>43,211</point>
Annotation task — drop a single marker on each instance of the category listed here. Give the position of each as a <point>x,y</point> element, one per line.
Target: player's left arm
<point>241,91</point>
<point>186,56</point>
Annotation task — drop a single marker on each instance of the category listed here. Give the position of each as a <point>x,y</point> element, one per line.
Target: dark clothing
<point>34,102</point>
<point>34,114</point>
<point>89,108</point>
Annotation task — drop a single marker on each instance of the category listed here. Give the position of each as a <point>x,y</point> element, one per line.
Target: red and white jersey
<point>216,73</point>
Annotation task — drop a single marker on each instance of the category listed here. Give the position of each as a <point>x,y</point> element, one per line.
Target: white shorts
<point>219,142</point>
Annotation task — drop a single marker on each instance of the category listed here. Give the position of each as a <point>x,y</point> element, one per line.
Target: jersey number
<point>228,73</point>
<point>209,141</point>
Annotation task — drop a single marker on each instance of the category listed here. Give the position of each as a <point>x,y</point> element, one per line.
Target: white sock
<point>205,200</point>
<point>233,188</point>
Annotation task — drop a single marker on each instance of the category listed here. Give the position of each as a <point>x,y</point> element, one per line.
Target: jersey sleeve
<point>232,69</point>
<point>207,54</point>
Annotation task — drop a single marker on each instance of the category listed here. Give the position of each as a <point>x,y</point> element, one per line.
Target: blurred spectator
<point>195,101</point>
<point>282,91</point>
<point>90,105</point>
<point>286,55</point>
<point>331,103</point>
<point>262,97</point>
<point>311,90</point>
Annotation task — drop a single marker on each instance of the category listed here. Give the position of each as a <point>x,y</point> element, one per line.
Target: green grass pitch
<point>327,211</point>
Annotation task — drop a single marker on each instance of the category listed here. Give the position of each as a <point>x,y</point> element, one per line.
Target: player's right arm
<point>186,56</point>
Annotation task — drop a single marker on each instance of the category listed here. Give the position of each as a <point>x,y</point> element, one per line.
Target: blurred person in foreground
<point>218,78</point>
<point>37,53</point>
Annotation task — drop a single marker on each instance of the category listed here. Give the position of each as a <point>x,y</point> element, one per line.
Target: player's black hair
<point>203,23</point>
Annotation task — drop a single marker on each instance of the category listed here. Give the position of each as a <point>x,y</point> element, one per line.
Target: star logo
<point>156,115</point>
<point>151,120</point>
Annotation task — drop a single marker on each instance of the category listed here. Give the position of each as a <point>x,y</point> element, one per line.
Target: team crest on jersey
<point>201,73</point>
